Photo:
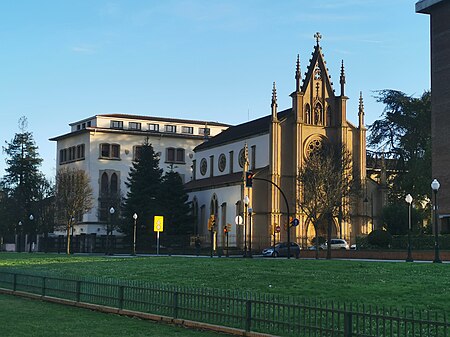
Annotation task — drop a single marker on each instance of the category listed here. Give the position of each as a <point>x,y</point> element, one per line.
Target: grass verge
<point>26,317</point>
<point>402,285</point>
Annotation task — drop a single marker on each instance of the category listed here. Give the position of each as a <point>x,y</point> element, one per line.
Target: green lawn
<point>26,317</point>
<point>418,285</point>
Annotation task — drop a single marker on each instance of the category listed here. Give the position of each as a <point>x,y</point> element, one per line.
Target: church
<point>274,149</point>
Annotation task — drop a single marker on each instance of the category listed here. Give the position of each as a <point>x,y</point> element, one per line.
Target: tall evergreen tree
<point>144,194</point>
<point>405,130</point>
<point>176,210</point>
<point>23,179</point>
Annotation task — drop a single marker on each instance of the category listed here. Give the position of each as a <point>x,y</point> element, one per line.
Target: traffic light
<point>249,179</point>
<point>211,222</point>
<point>225,230</point>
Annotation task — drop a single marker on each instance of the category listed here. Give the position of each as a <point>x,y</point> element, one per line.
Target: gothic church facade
<point>275,147</point>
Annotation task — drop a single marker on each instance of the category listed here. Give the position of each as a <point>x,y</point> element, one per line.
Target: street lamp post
<point>111,212</point>
<point>250,212</point>
<point>19,239</point>
<point>135,216</point>
<point>409,200</point>
<point>31,227</point>
<point>246,201</point>
<point>435,187</point>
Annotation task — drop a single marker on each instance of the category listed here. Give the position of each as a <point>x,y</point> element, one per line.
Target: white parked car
<point>336,244</point>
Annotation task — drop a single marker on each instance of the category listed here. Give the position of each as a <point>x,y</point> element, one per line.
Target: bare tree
<point>326,181</point>
<point>73,197</point>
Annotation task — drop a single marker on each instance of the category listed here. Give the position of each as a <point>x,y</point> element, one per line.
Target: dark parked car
<point>281,249</point>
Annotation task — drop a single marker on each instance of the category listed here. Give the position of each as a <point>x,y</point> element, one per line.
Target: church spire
<point>298,75</point>
<point>274,104</point>
<point>342,79</point>
<point>361,110</point>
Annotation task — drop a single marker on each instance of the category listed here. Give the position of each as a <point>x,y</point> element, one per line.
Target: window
<point>171,128</point>
<point>174,155</point>
<point>231,161</point>
<point>242,157</point>
<point>204,131</point>
<point>110,151</point>
<point>83,126</point>
<point>114,184</point>
<point>203,166</point>
<point>179,155</point>
<point>71,154</point>
<point>104,184</point>
<point>153,127</point>
<point>78,127</point>
<point>211,165</point>
<point>222,162</point>
<point>104,150</point>
<point>116,124</point>
<point>170,155</point>
<point>187,129</point>
<point>137,153</point>
<point>115,151</point>
<point>89,124</point>
<point>80,151</point>
<point>134,126</point>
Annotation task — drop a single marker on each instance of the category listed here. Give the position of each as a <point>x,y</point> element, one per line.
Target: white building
<point>105,145</point>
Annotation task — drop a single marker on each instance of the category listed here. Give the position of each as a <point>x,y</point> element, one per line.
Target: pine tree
<point>23,179</point>
<point>144,193</point>
<point>176,210</point>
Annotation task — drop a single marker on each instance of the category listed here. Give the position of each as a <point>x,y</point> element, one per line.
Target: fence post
<point>120,297</point>
<point>43,285</point>
<point>348,325</point>
<point>248,315</point>
<point>78,290</point>
<point>175,304</point>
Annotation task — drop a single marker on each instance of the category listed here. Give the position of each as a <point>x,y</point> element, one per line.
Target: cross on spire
<point>317,36</point>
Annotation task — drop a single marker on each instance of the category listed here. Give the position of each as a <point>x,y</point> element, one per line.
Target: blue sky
<point>62,61</point>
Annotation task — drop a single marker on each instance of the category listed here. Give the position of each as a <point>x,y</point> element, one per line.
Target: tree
<point>73,197</point>
<point>176,210</point>
<point>22,182</point>
<point>45,209</point>
<point>327,183</point>
<point>396,220</point>
<point>405,131</point>
<point>144,192</point>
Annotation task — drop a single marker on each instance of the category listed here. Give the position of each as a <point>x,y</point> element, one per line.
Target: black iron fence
<point>279,315</point>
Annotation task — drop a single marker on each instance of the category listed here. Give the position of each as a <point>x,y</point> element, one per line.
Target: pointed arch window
<point>214,206</point>
<point>114,184</point>
<point>307,114</point>
<point>104,184</point>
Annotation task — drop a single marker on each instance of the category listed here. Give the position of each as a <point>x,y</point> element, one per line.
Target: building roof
<point>130,132</point>
<point>162,119</point>
<point>222,180</point>
<point>424,6</point>
<point>252,128</point>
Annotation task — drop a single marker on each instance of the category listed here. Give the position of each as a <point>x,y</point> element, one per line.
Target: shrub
<point>380,238</point>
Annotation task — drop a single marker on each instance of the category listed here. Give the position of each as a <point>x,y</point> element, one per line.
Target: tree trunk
<point>68,237</point>
<point>329,224</point>
<point>316,227</point>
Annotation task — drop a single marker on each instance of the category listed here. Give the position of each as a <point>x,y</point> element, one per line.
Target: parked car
<point>336,244</point>
<point>281,249</point>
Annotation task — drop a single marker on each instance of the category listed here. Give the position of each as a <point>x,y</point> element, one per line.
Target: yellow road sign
<point>158,224</point>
